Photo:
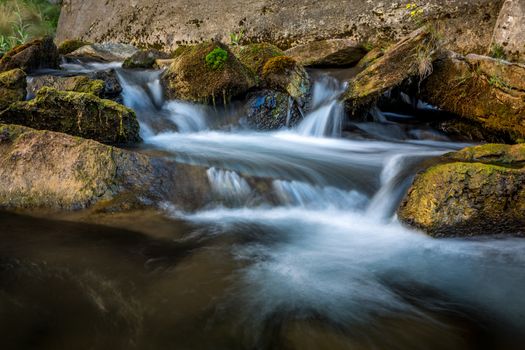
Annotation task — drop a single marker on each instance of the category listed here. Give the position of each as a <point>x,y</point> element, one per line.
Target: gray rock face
<point>106,51</point>
<point>328,53</point>
<point>168,23</point>
<point>510,30</point>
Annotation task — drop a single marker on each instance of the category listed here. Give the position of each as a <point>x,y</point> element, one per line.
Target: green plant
<point>235,38</point>
<point>416,13</point>
<point>497,51</point>
<point>496,81</point>
<point>216,59</point>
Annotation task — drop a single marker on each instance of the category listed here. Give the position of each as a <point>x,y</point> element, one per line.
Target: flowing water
<point>321,263</point>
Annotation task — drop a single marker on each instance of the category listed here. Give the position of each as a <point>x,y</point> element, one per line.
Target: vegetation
<point>23,20</point>
<point>497,51</point>
<point>216,59</point>
<point>235,38</point>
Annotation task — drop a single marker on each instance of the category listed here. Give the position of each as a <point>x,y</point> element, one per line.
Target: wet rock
<point>76,83</point>
<point>144,59</point>
<point>405,63</point>
<point>328,53</point>
<point>207,73</point>
<point>283,73</point>
<point>12,87</point>
<point>255,56</point>
<point>112,87</point>
<point>479,88</point>
<point>43,169</point>
<point>68,46</point>
<point>271,110</point>
<point>509,34</point>
<point>35,55</point>
<point>106,51</point>
<point>76,113</point>
<point>479,191</point>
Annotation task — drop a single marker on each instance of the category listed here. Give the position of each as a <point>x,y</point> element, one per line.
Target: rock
<point>12,87</point>
<point>482,89</point>
<point>144,59</point>
<point>371,57</point>
<point>405,63</point>
<point>163,63</point>
<point>255,56</point>
<point>68,46</point>
<point>44,169</point>
<point>112,87</point>
<point>106,51</point>
<point>283,73</point>
<point>509,34</point>
<point>271,110</point>
<point>328,53</point>
<point>77,83</point>
<point>76,113</point>
<point>468,24</point>
<point>207,73</point>
<point>35,55</point>
<point>481,191</point>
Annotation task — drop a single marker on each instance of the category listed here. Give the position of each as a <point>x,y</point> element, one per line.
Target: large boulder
<point>509,34</point>
<point>76,113</point>
<point>328,53</point>
<point>168,23</point>
<point>478,191</point>
<point>79,83</point>
<point>35,55</point>
<point>405,63</point>
<point>43,169</point>
<point>285,74</point>
<point>12,87</point>
<point>105,51</point>
<point>207,73</point>
<point>479,88</point>
<point>271,110</point>
<point>255,56</point>
<point>144,59</point>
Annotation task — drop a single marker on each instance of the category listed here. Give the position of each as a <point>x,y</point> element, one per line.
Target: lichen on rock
<point>12,87</point>
<point>76,83</point>
<point>283,73</point>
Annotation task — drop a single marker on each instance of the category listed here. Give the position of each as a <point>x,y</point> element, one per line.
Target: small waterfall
<point>327,115</point>
<point>229,186</point>
<point>187,116</point>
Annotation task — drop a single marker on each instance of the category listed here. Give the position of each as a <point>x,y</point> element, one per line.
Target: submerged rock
<point>255,56</point>
<point>328,53</point>
<point>270,110</point>
<point>43,169</point>
<point>479,191</point>
<point>106,51</point>
<point>482,89</point>
<point>405,63</point>
<point>12,87</point>
<point>76,113</point>
<point>509,34</point>
<point>283,73</point>
<point>77,83</point>
<point>68,46</point>
<point>207,73</point>
<point>144,59</point>
<point>35,55</point>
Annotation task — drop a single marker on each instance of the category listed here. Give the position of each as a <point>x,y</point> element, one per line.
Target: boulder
<point>76,113</point>
<point>483,89</point>
<point>509,34</point>
<point>207,73</point>
<point>77,83</point>
<point>478,191</point>
<point>271,110</point>
<point>283,73</point>
<point>12,87</point>
<point>105,51</point>
<point>328,53</point>
<point>112,87</point>
<point>35,55</point>
<point>255,56</point>
<point>54,171</point>
<point>405,63</point>
<point>144,59</point>
<point>68,46</point>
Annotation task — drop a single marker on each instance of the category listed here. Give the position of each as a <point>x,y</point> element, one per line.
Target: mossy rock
<point>283,73</point>
<point>144,59</point>
<point>55,171</point>
<point>477,191</point>
<point>482,89</point>
<point>35,55</point>
<point>328,53</point>
<point>191,78</point>
<point>12,87</point>
<point>255,56</point>
<point>68,46</point>
<point>271,110</point>
<point>77,83</point>
<point>76,113</point>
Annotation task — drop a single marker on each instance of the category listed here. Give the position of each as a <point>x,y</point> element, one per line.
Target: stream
<point>322,264</point>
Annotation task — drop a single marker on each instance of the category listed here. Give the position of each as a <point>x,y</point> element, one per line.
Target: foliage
<point>216,59</point>
<point>416,13</point>
<point>497,51</point>
<point>235,38</point>
<point>23,20</point>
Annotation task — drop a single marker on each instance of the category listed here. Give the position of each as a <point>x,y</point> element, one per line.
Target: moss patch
<point>216,58</point>
<point>68,46</point>
<point>255,56</point>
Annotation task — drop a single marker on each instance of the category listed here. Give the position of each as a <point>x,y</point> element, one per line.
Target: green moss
<point>278,65</point>
<point>255,56</point>
<point>68,46</point>
<point>216,58</point>
<point>13,78</point>
<point>497,51</point>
